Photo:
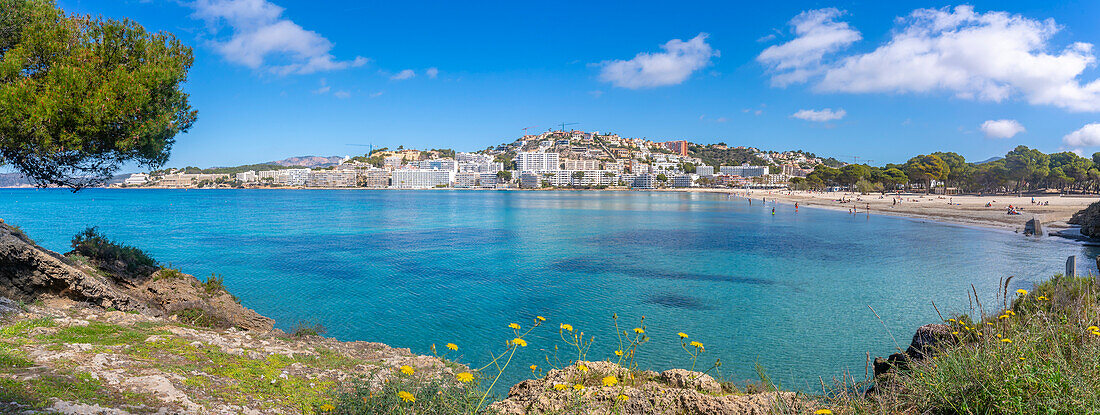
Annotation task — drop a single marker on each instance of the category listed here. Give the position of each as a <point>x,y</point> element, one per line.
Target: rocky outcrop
<point>1089,220</point>
<point>928,339</point>
<point>29,272</point>
<point>675,391</point>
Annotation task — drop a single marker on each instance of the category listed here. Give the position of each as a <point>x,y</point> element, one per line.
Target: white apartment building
<point>645,181</point>
<point>466,180</point>
<point>683,180</point>
<point>536,162</point>
<point>704,170</point>
<point>488,180</point>
<point>332,178</point>
<point>247,177</point>
<point>293,177</point>
<point>438,164</point>
<point>744,170</point>
<point>421,179</point>
<point>586,164</point>
<point>136,179</point>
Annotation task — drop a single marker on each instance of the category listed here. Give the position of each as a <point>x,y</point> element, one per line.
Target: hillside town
<point>553,159</point>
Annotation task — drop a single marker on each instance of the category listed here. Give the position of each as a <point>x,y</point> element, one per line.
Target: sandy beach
<point>1052,210</point>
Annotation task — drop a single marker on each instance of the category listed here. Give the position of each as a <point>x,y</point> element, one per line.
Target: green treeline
<point>1022,169</point>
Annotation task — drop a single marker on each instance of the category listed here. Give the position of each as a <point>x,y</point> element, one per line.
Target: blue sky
<point>878,80</point>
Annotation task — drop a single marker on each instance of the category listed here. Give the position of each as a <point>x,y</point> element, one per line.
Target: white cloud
<point>1002,128</point>
<point>432,72</point>
<point>322,90</point>
<point>649,70</point>
<point>376,94</point>
<point>1087,136</point>
<point>990,56</point>
<point>826,114</point>
<point>261,38</point>
<point>818,33</point>
<point>342,94</point>
<point>403,75</point>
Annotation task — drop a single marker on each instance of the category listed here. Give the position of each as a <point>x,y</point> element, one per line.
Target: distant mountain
<point>991,159</point>
<point>14,180</point>
<point>310,161</point>
<point>19,180</point>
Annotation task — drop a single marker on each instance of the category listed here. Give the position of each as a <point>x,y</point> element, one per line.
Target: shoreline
<point>968,210</point>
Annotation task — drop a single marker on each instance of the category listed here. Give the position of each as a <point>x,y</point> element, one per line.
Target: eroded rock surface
<point>675,391</point>
<point>29,272</point>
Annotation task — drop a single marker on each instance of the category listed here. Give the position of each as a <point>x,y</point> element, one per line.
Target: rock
<point>926,341</point>
<point>1089,220</point>
<point>675,391</point>
<point>29,272</point>
<point>681,378</point>
<point>1033,227</point>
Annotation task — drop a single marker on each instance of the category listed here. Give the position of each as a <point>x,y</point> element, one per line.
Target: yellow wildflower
<point>514,326</point>
<point>952,320</point>
<point>1093,328</point>
<point>534,368</point>
<point>519,342</point>
<point>622,398</point>
<point>1010,312</point>
<point>406,369</point>
<point>1096,333</point>
<point>1041,298</point>
<point>823,412</point>
<point>1023,358</point>
<point>405,396</point>
<point>618,353</point>
<point>682,335</point>
<point>567,327</point>
<point>696,344</point>
<point>583,368</point>
<point>540,318</point>
<point>327,407</point>
<point>578,387</point>
<point>955,333</point>
<point>639,330</point>
<point>610,381</point>
<point>560,386</point>
<point>1006,340</point>
<point>452,346</point>
<point>464,377</point>
<point>1021,291</point>
<point>1002,316</point>
<point>988,323</point>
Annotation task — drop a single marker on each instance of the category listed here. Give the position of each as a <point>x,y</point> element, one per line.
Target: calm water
<point>412,268</point>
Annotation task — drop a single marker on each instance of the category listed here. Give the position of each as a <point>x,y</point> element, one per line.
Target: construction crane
<point>567,123</point>
<point>525,129</point>
<point>370,147</point>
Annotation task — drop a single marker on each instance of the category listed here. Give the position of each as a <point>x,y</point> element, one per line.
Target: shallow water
<point>789,291</point>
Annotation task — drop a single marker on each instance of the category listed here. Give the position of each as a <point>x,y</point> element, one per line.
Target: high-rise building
<point>536,162</point>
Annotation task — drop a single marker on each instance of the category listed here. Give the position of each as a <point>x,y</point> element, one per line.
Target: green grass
<point>106,334</point>
<point>12,358</point>
<point>19,329</point>
<point>1039,358</point>
<point>432,397</point>
<point>197,317</point>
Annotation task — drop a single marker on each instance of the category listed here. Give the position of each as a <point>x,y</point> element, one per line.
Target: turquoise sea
<point>789,291</point>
